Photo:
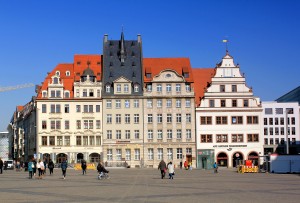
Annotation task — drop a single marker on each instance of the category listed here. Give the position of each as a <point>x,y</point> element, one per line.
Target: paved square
<point>145,185</point>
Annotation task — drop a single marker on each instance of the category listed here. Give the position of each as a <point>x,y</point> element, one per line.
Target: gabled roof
<point>156,65</point>
<point>202,77</point>
<point>292,96</point>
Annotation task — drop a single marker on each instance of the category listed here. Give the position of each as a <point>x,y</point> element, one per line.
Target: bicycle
<point>103,175</point>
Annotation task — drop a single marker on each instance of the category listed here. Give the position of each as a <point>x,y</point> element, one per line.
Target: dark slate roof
<point>292,96</point>
<point>128,51</point>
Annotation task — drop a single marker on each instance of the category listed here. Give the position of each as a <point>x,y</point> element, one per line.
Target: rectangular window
<point>85,108</point>
<point>52,125</point>
<point>67,108</point>
<point>178,88</point>
<point>98,124</point>
<point>169,103</point>
<point>127,154</point>
<point>78,124</point>
<point>159,88</point>
<point>270,121</point>
<point>127,103</point>
<point>109,155</point>
<point>276,121</point>
<point>57,110</point>
<point>187,103</point>
<point>178,117</point>
<point>271,141</point>
<point>271,131</point>
<point>52,108</point>
<point>237,138</point>
<point>149,87</point>
<point>150,154</point>
<point>136,118</point>
<point>222,88</point>
<point>118,88</point>
<point>127,118</point>
<point>206,138</point>
<point>92,140</point>
<point>91,124</point>
<point>149,103</point>
<point>276,131</point>
<point>84,93</point>
<point>178,103</point>
<point>108,104</point>
<point>78,140</point>
<point>233,88</point>
<point>44,125</point>
<point>109,134</point>
<point>150,134</point>
<point>108,118</point>
<point>136,154</point>
<point>252,137</point>
<point>136,134</point>
<point>67,124</point>
<point>97,108</point>
<point>169,118</point>
<point>169,134</point>
<point>44,108</point>
<point>246,103</point>
<point>188,118</point>
<point>169,153</point>
<point>78,108</point>
<point>44,141</point>
<point>126,88</point>
<point>127,134</point>
<point>159,118</point>
<point>159,134</point>
<point>150,118</point>
<point>57,125</point>
<point>221,120</point>
<point>265,131</point>
<point>169,88</point>
<point>179,153</point>
<point>234,103</point>
<point>278,110</point>
<point>159,103</point>
<point>237,119</point>
<point>281,130</point>
<point>136,103</point>
<point>52,140</point>
<point>222,138</point>
<point>211,103</point>
<point>67,141</point>
<point>205,120</point>
<point>118,118</point>
<point>118,154</point>
<point>178,134</point>
<point>160,154</point>
<point>59,140</point>
<point>118,104</point>
<point>252,119</point>
<point>85,140</point>
<point>187,87</point>
<point>266,141</point>
<point>188,134</point>
<point>268,111</point>
<point>223,103</point>
<point>85,124</point>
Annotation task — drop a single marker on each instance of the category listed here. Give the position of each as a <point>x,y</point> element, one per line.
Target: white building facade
<point>281,121</point>
<point>228,120</point>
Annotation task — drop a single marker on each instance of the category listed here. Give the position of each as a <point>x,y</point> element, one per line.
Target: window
<point>266,141</point>
<point>169,103</point>
<point>206,138</point>
<point>293,120</point>
<point>52,109</point>
<point>136,118</point>
<point>237,119</point>
<point>222,88</point>
<point>78,140</point>
<point>268,111</point>
<point>178,88</point>
<point>169,134</point>
<point>44,94</point>
<point>289,110</point>
<point>91,124</point>
<point>160,153</point>
<point>118,104</point>
<point>52,140</point>
<point>178,103</point>
<point>159,103</point>
<point>270,121</point>
<point>168,88</point>
<point>169,118</point>
<point>252,119</point>
<point>67,141</point>
<point>159,118</point>
<point>281,130</point>
<point>109,155</point>
<point>92,140</point>
<point>159,134</point>
<point>136,88</point>
<point>271,131</point>
<point>221,120</point>
<point>57,110</point>
<point>118,134</point>
<point>67,124</point>
<point>44,108</point>
<point>205,120</point>
<point>85,140</point>
<point>234,103</point>
<point>78,124</point>
<point>149,103</point>
<point>52,125</point>
<point>178,134</point>
<point>98,124</point>
<point>85,124</point>
<point>109,119</point>
<point>278,110</point>
<point>150,154</point>
<point>44,141</point>
<point>188,118</point>
<point>222,138</point>
<point>150,119</point>
<point>169,153</point>
<point>57,126</point>
<point>276,131</point>
<point>59,140</point>
<point>136,103</point>
<point>178,118</point>
<point>127,134</point>
<point>281,121</point>
<point>179,153</point>
<point>107,88</point>
<point>84,93</point>
<point>118,118</point>
<point>126,88</point>
<point>265,121</point>
<point>127,154</point>
<point>108,104</point>
<point>188,134</point>
<point>271,141</point>
<point>223,103</point>
<point>252,137</point>
<point>97,108</point>
<point>118,88</point>
<point>159,88</point>
<point>136,134</point>
<point>237,138</point>
<point>150,134</point>
<point>91,93</point>
<point>77,93</point>
<point>127,103</point>
<point>78,108</point>
<point>118,154</point>
<point>44,124</point>
<point>233,88</point>
<point>246,103</point>
<point>136,154</point>
<point>276,121</point>
<point>265,131</point>
<point>127,118</point>
<point>109,134</point>
<point>149,87</point>
<point>187,103</point>
<point>211,103</point>
<point>188,87</point>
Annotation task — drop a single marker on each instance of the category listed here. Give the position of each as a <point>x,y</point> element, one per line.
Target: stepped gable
<point>154,66</point>
<point>202,78</point>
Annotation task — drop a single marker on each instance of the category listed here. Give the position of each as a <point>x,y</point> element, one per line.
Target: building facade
<point>281,121</point>
<point>228,119</point>
<point>4,146</point>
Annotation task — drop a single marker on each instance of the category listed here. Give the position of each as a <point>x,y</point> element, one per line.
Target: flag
<point>225,40</point>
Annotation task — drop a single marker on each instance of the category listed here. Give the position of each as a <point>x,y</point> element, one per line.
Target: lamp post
<point>286,127</point>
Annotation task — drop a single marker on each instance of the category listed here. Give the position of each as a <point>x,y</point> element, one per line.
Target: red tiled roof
<point>20,108</point>
<point>156,65</point>
<point>202,76</point>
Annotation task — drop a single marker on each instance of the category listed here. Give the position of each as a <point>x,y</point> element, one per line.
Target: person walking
<point>83,166</point>
<point>34,167</point>
<point>64,166</point>
<point>51,167</point>
<point>30,168</point>
<point>215,167</point>
<point>171,170</point>
<point>162,167</point>
<point>40,167</point>
<point>1,166</point>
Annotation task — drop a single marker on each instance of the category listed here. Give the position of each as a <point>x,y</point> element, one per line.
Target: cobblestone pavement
<point>145,185</point>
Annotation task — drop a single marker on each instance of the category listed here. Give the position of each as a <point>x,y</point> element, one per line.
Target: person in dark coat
<point>162,167</point>
<point>83,166</point>
<point>51,167</point>
<point>1,166</point>
<point>101,170</point>
<point>64,166</point>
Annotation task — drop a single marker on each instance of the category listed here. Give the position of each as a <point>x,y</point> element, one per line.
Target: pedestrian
<point>185,165</point>
<point>180,165</point>
<point>162,167</point>
<point>1,166</point>
<point>83,166</point>
<point>64,166</point>
<point>30,168</point>
<point>51,167</point>
<point>45,167</point>
<point>215,167</point>
<point>18,166</point>
<point>41,168</point>
<point>171,170</point>
<point>5,165</point>
<point>34,166</point>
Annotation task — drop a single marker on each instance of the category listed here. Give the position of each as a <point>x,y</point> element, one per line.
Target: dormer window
<point>57,73</point>
<point>186,75</point>
<point>148,75</point>
<point>44,94</point>
<point>55,80</point>
<point>68,73</point>
<point>136,88</point>
<point>67,94</point>
<point>107,88</point>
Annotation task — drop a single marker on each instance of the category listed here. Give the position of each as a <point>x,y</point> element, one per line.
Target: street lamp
<point>287,111</point>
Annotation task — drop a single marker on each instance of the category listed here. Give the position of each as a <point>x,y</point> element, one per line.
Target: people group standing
<point>162,167</point>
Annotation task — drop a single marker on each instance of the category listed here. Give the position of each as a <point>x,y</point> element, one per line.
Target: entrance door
<point>61,157</point>
<point>204,162</point>
<point>237,159</point>
<point>222,159</point>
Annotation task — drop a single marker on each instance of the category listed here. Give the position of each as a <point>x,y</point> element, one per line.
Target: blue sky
<point>264,38</point>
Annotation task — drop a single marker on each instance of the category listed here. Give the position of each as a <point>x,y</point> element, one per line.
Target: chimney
<point>105,38</point>
<point>139,38</point>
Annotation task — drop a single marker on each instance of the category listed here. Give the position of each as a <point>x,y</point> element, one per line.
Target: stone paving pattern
<point>145,185</point>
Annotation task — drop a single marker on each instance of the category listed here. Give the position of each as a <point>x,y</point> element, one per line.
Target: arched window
<point>67,94</point>
<point>55,80</point>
